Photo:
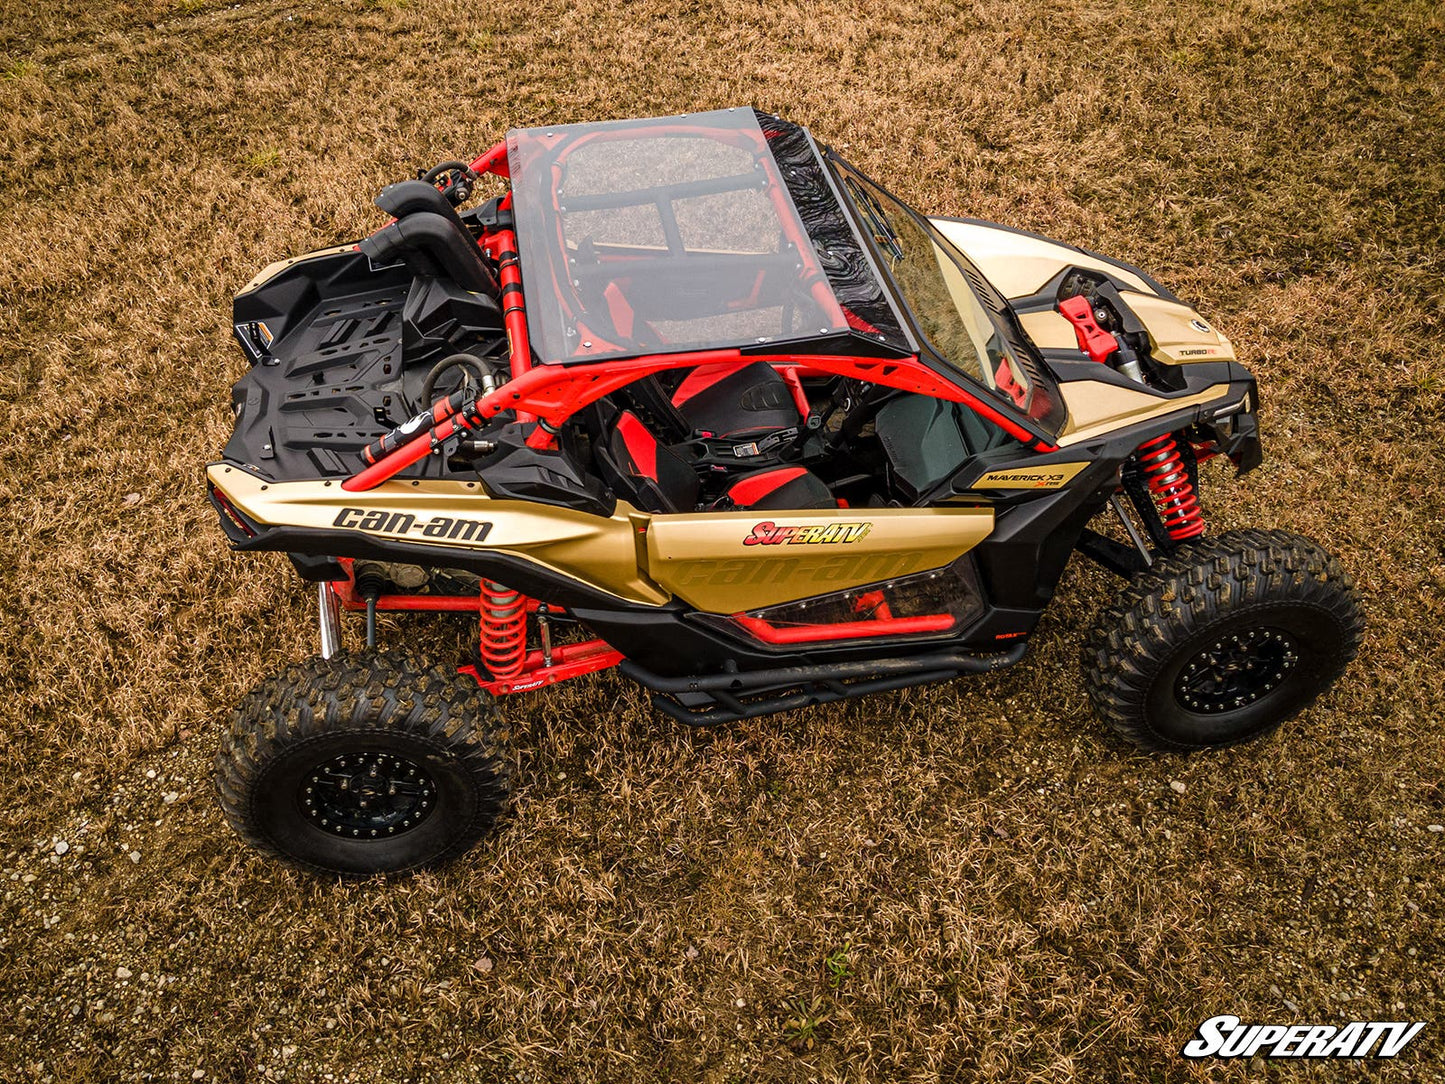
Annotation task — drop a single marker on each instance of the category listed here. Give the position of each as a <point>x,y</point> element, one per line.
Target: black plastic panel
<point>340,353</point>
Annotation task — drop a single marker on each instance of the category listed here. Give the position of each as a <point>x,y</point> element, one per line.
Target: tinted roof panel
<point>685,233</point>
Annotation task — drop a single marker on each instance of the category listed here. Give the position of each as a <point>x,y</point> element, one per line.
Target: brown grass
<point>1013,894</point>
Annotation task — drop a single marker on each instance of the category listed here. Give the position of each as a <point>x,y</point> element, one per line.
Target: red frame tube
<point>346,592</point>
<point>514,307</point>
<point>502,246</point>
<point>555,392</point>
<point>844,630</point>
<point>437,603</point>
<point>492,160</point>
<point>568,661</point>
<point>795,385</point>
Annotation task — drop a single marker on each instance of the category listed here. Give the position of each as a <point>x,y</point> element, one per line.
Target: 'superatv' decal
<point>451,528</point>
<point>770,534</point>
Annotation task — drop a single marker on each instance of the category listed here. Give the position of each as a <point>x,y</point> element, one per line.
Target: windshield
<point>938,286</point>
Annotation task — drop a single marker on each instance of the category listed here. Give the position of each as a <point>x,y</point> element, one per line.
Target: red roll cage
<point>550,394</point>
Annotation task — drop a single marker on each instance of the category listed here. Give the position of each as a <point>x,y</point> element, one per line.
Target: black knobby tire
<point>361,764</point>
<point>1222,641</point>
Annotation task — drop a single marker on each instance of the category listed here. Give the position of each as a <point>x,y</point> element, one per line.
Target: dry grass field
<point>973,882</point>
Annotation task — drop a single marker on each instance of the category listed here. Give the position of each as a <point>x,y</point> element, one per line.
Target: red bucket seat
<point>659,480</point>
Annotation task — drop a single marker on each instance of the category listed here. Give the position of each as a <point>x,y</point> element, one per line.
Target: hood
<point>1027,267</point>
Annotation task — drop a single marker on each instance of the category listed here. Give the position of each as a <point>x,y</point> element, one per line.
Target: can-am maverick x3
<point>697,399</point>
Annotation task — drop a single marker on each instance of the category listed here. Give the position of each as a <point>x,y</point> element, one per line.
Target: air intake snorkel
<point>1107,329</point>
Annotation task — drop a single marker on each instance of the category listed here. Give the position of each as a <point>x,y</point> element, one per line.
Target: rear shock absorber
<point>503,645</point>
<point>1171,487</point>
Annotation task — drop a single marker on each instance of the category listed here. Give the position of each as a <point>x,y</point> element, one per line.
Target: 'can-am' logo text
<point>770,534</point>
<point>1227,1037</point>
<point>452,528</point>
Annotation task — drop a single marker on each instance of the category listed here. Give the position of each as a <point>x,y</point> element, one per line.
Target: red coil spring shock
<point>503,644</point>
<point>1171,488</point>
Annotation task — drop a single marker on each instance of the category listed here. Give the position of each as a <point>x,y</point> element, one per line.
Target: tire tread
<point>1197,585</point>
<point>361,692</point>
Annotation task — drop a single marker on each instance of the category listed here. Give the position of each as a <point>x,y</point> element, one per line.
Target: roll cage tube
<point>501,245</point>
<point>555,392</point>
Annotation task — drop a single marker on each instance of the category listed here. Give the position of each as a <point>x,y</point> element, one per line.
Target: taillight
<point>230,515</point>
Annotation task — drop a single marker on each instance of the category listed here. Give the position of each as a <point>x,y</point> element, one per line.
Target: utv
<point>697,399</point>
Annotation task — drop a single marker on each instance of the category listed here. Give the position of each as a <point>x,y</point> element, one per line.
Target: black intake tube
<point>408,197</point>
<point>430,244</point>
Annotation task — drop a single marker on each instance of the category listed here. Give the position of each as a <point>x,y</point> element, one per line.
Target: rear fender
<point>443,523</point>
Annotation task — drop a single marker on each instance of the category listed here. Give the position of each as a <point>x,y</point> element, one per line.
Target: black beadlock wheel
<point>1222,641</point>
<point>361,764</point>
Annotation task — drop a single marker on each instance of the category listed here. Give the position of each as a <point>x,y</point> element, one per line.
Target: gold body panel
<point>271,270</point>
<point>1096,408</point>
<point>598,551</point>
<point>1051,476</point>
<point>706,560</point>
<point>1020,264</point>
<point>1175,331</point>
<point>1173,337</point>
<point>1049,330</point>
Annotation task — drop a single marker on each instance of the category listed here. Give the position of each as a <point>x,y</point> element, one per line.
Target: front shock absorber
<point>1171,488</point>
<point>503,645</point>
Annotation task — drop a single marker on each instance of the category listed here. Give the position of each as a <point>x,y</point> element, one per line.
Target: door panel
<point>725,562</point>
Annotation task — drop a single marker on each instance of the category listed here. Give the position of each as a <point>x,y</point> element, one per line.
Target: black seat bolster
<point>751,398</point>
<point>780,488</point>
<point>650,475</point>
<point>648,400</point>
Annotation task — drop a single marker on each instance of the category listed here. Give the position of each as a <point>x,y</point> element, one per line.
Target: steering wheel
<point>452,179</point>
